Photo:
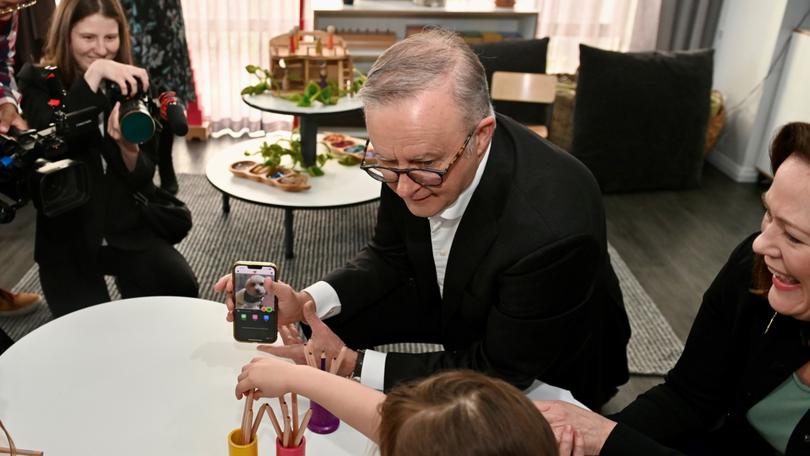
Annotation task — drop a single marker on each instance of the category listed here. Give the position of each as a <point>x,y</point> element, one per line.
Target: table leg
<point>309,139</point>
<point>226,203</point>
<point>288,233</point>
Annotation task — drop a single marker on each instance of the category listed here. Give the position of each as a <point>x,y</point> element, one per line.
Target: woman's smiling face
<point>92,38</point>
<point>785,238</point>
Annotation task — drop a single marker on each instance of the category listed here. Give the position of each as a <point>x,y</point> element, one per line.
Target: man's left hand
<point>323,341</point>
<point>10,117</point>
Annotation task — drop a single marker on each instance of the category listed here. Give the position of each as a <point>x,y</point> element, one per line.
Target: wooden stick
<point>300,434</point>
<point>274,420</point>
<point>245,417</point>
<point>310,357</point>
<point>336,363</point>
<point>5,450</point>
<point>258,420</point>
<point>294,413</point>
<point>286,441</point>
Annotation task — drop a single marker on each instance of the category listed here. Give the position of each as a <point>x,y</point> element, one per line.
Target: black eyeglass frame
<point>399,171</point>
<point>19,6</point>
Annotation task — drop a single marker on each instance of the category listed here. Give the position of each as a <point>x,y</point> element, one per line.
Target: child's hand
<point>267,377</point>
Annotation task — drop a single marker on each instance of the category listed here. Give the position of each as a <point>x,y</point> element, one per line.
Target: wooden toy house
<point>299,57</point>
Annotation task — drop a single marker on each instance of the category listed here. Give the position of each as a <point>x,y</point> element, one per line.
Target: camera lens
<point>137,126</point>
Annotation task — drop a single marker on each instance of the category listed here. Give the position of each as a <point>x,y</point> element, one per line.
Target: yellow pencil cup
<point>235,447</point>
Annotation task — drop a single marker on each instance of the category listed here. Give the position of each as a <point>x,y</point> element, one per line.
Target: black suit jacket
<point>730,363</point>
<point>529,292</point>
<point>111,212</point>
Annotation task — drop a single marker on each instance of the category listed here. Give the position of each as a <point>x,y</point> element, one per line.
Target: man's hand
<point>10,117</point>
<point>290,302</point>
<point>591,428</point>
<point>323,341</point>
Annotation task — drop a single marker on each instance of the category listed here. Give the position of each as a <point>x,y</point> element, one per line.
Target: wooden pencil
<point>21,452</point>
<point>336,363</point>
<point>274,420</point>
<point>245,423</point>
<point>300,434</point>
<point>258,420</point>
<point>294,405</point>
<point>286,441</point>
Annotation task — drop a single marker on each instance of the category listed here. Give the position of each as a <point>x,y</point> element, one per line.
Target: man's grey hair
<point>424,61</point>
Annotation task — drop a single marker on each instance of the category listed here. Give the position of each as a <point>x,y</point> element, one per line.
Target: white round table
<point>309,116</point>
<point>145,376</point>
<point>340,186</point>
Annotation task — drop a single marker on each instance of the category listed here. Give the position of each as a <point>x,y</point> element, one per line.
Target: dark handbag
<point>168,217</point>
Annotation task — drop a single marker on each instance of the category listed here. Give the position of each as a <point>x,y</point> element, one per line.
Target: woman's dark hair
<point>67,14</point>
<point>462,412</point>
<point>792,139</point>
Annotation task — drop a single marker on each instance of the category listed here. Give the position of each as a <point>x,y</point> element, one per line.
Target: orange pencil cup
<point>236,448</point>
<point>300,450</point>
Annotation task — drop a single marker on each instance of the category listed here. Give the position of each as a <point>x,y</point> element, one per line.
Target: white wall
<point>745,45</point>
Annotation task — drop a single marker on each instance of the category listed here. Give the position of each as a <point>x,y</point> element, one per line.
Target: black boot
<point>168,180</point>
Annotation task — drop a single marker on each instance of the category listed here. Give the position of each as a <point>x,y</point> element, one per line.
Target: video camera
<point>26,169</point>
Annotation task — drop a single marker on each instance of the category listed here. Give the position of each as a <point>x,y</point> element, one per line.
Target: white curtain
<point>223,37</point>
<point>617,25</point>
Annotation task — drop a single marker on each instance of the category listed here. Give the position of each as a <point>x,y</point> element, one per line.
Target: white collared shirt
<point>443,227</point>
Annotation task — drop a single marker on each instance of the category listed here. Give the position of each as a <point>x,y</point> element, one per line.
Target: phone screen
<point>254,317</point>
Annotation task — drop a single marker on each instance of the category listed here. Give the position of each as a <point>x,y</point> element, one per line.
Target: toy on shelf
<point>300,56</point>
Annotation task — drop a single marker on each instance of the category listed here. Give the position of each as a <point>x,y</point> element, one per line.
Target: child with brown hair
<point>453,412</point>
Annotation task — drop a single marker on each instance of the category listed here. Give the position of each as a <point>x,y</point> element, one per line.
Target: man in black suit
<point>489,240</point>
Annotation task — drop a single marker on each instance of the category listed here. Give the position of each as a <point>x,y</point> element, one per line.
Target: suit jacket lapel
<point>479,224</point>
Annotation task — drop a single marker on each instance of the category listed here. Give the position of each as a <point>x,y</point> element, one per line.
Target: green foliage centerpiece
<point>290,147</point>
<point>326,93</point>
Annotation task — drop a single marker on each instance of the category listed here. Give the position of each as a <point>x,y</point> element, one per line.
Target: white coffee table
<point>340,186</point>
<point>144,376</point>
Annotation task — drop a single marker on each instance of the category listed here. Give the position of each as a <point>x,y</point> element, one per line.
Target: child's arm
<point>356,404</point>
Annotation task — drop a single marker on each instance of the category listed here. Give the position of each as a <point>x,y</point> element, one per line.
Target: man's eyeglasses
<point>427,177</point>
<point>13,9</point>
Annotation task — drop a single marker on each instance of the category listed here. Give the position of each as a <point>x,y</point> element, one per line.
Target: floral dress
<point>159,44</point>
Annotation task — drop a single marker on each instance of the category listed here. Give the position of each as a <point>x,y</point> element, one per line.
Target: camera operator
<point>10,303</point>
<point>89,41</point>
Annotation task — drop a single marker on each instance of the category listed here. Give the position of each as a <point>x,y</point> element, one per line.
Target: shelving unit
<point>397,17</point>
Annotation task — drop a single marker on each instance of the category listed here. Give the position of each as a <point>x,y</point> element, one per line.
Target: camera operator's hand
<point>10,117</point>
<point>129,151</point>
<point>126,76</point>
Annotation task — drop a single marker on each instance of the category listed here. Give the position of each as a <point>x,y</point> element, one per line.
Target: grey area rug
<point>324,240</point>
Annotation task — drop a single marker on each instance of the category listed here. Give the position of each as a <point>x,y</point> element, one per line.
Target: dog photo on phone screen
<point>251,291</point>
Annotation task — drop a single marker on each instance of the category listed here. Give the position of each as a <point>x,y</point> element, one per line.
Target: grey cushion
<point>640,118</point>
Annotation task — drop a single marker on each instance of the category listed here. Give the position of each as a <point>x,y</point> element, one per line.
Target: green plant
<point>265,83</point>
<point>273,153</point>
<point>328,95</point>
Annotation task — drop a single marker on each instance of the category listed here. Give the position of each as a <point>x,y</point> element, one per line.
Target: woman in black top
<point>747,348</point>
<point>89,42</point>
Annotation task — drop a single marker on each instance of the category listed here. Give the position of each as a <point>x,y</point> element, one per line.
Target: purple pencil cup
<point>322,421</point>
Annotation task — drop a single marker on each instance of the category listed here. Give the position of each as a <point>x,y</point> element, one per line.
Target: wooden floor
<point>674,242</point>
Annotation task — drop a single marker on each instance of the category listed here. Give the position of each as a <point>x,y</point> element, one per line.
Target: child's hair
<point>465,413</point>
<point>66,15</point>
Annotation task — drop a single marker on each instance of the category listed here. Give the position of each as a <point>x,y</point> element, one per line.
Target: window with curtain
<point>223,37</point>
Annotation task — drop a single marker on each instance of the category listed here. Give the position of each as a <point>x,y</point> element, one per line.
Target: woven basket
<point>716,121</point>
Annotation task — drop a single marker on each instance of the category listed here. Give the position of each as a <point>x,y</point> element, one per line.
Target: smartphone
<point>254,314</point>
